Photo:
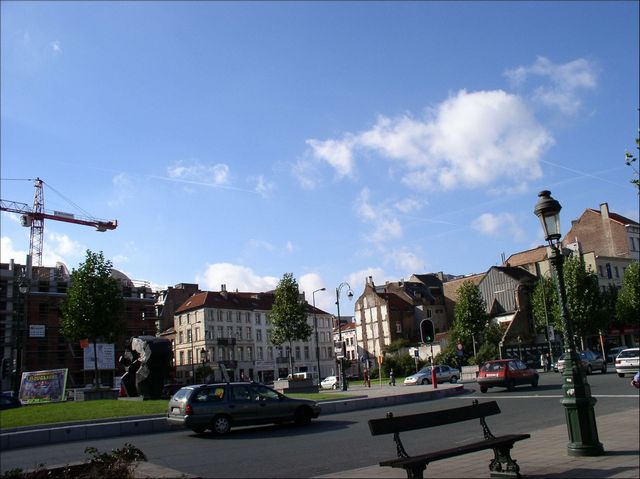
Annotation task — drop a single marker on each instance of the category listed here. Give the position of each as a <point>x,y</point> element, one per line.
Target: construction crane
<point>33,217</point>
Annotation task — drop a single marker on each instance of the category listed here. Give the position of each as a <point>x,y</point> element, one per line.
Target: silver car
<point>590,362</point>
<point>218,407</point>
<point>443,373</point>
<point>628,361</point>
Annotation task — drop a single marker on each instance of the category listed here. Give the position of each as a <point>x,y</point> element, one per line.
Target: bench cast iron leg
<point>416,471</point>
<point>502,465</point>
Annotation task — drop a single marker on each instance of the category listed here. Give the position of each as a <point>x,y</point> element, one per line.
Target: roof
<point>396,302</point>
<point>234,300</point>
<point>616,217</point>
<point>516,272</point>
<point>450,288</point>
<point>531,256</point>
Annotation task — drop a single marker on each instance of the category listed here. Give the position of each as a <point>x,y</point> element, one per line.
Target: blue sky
<point>238,141</point>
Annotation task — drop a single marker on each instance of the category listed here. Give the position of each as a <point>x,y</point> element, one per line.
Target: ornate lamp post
<point>341,373</point>
<point>21,328</point>
<point>204,358</point>
<point>315,325</point>
<point>577,399</point>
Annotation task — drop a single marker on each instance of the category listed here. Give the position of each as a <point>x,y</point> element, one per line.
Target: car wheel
<point>534,383</point>
<point>302,416</point>
<point>454,379</point>
<point>589,369</point>
<point>335,386</point>
<point>423,382</point>
<point>483,389</point>
<point>511,385</point>
<point>221,425</point>
<point>198,429</point>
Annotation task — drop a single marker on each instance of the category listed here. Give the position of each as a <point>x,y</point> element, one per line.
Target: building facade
<point>30,323</point>
<point>218,332</point>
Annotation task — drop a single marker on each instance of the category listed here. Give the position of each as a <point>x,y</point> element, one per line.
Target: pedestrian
<point>636,380</point>
<point>392,378</point>
<point>543,362</point>
<point>367,380</point>
<point>548,361</point>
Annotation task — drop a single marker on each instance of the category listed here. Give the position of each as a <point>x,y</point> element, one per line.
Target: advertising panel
<point>106,356</point>
<point>43,386</point>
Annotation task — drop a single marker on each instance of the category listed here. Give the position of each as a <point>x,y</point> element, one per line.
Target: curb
<point>155,424</point>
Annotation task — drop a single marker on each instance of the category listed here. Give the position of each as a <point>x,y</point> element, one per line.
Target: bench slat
<point>432,419</point>
<point>456,451</point>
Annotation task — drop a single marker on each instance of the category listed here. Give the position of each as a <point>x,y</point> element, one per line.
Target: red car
<point>507,373</point>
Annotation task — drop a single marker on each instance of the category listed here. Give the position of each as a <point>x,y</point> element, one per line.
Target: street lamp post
<point>315,324</point>
<point>340,361</point>
<point>577,399</point>
<point>21,327</point>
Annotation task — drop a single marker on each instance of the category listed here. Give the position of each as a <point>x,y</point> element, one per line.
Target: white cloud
<point>61,248</point>
<point>289,247</point>
<point>235,277</point>
<point>385,226</point>
<point>405,261</point>
<point>216,175</point>
<point>124,189</point>
<point>263,187</point>
<point>8,252</point>
<point>55,47</point>
<point>408,205</point>
<point>358,279</point>
<point>504,224</point>
<point>469,140</point>
<point>561,83</point>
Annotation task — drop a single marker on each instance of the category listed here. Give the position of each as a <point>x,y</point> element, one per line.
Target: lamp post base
<point>581,425</point>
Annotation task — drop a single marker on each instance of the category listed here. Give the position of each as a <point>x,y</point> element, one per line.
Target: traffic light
<point>427,331</point>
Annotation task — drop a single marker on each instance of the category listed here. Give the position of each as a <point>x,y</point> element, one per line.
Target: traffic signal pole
<point>434,377</point>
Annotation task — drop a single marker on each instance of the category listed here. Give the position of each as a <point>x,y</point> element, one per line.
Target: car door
<point>444,374</point>
<point>242,407</point>
<point>270,406</point>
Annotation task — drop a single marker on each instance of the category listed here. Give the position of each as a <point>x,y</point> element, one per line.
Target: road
<point>336,442</point>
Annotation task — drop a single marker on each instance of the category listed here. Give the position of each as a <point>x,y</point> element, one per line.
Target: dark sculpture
<point>147,361</point>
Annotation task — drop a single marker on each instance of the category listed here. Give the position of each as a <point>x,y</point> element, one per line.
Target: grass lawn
<point>52,413</point>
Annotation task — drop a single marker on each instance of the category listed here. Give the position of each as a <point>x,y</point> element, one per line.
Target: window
<point>189,335</point>
<point>259,335</point>
<point>180,338</point>
<point>249,335</point>
<point>259,352</point>
<point>306,352</point>
<point>297,352</point>
<point>240,353</point>
<point>247,317</point>
<point>219,315</point>
<point>249,354</point>
<point>181,357</point>
<point>229,318</point>
<point>600,272</point>
<point>399,327</point>
<point>269,353</point>
<point>220,354</point>
<point>239,332</point>
<point>615,268</point>
<point>240,393</point>
<point>238,317</point>
<point>428,313</point>
<point>258,318</point>
<point>190,356</point>
<point>220,331</point>
<point>229,331</point>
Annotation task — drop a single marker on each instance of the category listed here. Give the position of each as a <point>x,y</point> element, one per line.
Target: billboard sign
<point>106,356</point>
<point>43,386</point>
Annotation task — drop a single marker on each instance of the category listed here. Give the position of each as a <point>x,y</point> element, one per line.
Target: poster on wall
<point>106,356</point>
<point>43,386</point>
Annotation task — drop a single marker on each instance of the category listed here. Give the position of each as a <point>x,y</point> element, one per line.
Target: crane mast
<point>33,217</point>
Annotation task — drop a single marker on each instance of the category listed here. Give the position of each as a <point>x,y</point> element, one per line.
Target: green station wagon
<point>218,407</point>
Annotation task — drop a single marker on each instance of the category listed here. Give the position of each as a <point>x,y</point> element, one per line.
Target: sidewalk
<point>542,456</point>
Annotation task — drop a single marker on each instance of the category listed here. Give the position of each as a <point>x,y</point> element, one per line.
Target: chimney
<point>604,211</point>
<point>223,288</point>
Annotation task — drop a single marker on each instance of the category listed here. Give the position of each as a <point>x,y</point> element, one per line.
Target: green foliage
<point>94,305</point>
<point>584,300</point>
<point>398,344</point>
<point>288,318</point>
<point>629,160</point>
<point>470,316</point>
<point>628,301</point>
<point>118,464</point>
<point>545,297</point>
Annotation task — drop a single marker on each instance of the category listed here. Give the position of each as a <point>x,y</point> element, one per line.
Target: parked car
<point>613,353</point>
<point>507,373</point>
<point>9,401</point>
<point>219,407</point>
<point>590,362</point>
<point>330,382</point>
<point>628,361</point>
<point>443,373</point>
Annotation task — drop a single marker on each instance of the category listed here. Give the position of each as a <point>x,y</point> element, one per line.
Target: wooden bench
<point>502,465</point>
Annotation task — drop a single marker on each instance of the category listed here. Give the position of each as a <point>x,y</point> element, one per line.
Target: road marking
<point>544,396</point>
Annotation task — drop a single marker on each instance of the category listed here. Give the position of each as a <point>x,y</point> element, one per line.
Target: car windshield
<point>425,371</point>
<point>629,353</point>
<point>493,367</point>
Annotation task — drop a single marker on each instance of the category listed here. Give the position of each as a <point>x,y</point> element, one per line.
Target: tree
<point>93,307</point>
<point>470,316</point>
<point>628,302</point>
<point>544,304</point>
<point>629,160</point>
<point>584,299</point>
<point>288,318</point>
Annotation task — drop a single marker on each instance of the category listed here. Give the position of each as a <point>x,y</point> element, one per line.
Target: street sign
<point>339,350</point>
